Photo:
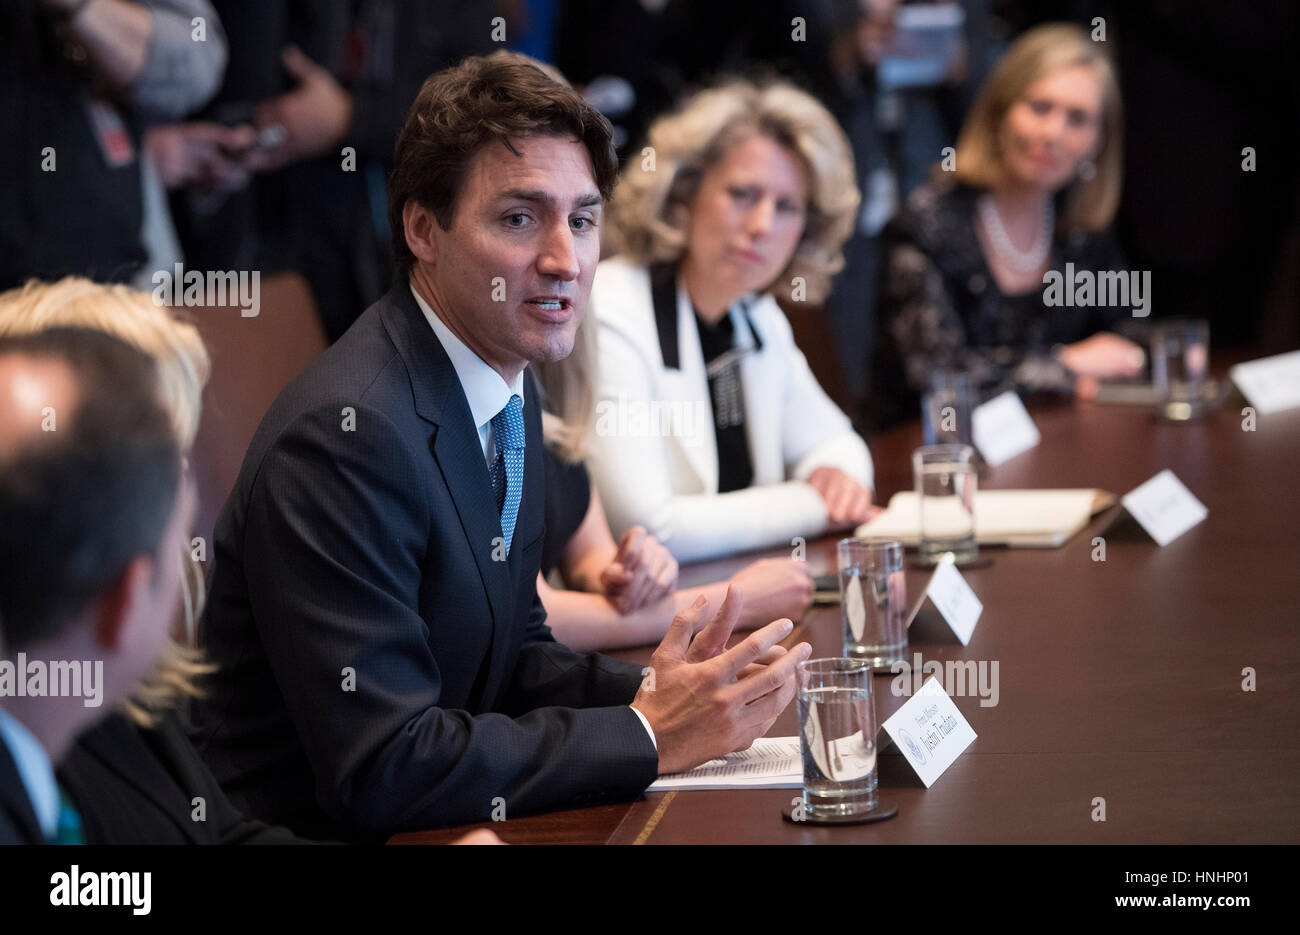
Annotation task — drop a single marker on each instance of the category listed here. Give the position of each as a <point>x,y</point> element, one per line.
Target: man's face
<point>156,605</point>
<point>512,275</point>
<point>27,386</point>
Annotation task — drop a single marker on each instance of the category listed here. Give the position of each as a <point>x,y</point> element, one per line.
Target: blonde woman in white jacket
<point>710,429</point>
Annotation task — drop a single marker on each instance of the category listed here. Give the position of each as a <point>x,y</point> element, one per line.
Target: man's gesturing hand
<point>706,702</point>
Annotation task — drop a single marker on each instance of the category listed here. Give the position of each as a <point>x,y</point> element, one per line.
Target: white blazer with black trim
<point>653,451</point>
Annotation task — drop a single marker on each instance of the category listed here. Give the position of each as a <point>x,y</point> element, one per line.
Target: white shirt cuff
<point>648,729</point>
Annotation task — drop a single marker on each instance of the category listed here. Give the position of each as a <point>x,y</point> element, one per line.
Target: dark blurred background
<point>1201,81</point>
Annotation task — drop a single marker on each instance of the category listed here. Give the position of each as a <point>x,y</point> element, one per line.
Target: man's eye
<point>516,220</point>
<point>788,207</point>
<point>583,224</point>
<point>1040,107</point>
<point>741,193</point>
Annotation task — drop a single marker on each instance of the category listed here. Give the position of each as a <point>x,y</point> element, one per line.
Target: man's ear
<point>117,604</point>
<point>418,224</point>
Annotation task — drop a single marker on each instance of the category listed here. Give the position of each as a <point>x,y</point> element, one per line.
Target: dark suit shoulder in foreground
<point>135,785</point>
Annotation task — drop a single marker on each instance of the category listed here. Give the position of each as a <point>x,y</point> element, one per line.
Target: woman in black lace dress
<point>1028,196</point>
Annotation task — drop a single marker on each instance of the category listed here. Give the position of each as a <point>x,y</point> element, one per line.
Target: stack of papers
<point>1022,518</point>
<point>771,763</point>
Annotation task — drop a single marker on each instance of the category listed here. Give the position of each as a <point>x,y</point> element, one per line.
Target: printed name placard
<point>1164,507</point>
<point>929,731</point>
<point>1002,428</point>
<point>952,600</point>
<point>1270,384</point>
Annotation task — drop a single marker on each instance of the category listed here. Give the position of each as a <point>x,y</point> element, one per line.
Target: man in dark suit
<point>384,659</point>
<point>93,517</point>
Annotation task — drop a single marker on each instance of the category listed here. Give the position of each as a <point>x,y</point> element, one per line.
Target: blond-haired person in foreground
<point>134,777</point>
<point>710,429</point>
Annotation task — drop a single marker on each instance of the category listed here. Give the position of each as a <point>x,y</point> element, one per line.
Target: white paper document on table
<point>771,763</point>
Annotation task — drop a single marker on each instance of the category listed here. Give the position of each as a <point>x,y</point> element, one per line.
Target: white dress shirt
<point>486,391</point>
<point>487,394</point>
<point>34,770</point>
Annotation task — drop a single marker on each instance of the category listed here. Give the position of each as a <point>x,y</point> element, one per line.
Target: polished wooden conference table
<point>1120,680</point>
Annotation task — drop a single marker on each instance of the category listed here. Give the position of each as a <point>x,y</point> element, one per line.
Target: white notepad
<point>1022,518</point>
<point>771,763</point>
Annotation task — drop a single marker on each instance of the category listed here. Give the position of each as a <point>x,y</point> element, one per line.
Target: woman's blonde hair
<point>649,213</point>
<point>569,395</point>
<point>1089,203</point>
<point>183,369</point>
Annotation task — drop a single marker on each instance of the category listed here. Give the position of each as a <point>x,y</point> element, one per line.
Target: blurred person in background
<point>316,91</point>
<point>1036,185</point>
<point>80,80</point>
<point>898,132</point>
<point>749,194</point>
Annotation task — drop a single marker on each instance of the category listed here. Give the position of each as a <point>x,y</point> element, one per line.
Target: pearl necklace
<point>1022,261</point>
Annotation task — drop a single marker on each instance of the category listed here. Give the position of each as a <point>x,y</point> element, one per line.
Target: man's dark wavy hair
<point>482,100</point>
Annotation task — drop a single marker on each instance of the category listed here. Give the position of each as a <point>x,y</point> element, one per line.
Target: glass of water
<point>1180,358</point>
<point>837,731</point>
<point>946,409</point>
<point>945,486</point>
<point>873,600</point>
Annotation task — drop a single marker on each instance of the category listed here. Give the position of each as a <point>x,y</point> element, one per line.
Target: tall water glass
<point>837,731</point>
<point>1180,358</point>
<point>947,408</point>
<point>946,481</point>
<point>873,600</point>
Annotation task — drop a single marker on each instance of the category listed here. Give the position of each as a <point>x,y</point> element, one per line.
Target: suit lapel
<point>440,400</point>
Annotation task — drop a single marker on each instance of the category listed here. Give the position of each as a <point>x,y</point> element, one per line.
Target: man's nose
<point>559,256</point>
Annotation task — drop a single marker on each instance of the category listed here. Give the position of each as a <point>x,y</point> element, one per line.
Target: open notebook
<point>1041,519</point>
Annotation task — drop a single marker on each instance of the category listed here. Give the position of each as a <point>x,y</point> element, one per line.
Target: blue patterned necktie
<point>508,465</point>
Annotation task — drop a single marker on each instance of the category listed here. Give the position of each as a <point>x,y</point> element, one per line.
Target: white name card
<point>1164,507</point>
<point>1270,384</point>
<point>1002,428</point>
<point>929,731</point>
<point>953,598</point>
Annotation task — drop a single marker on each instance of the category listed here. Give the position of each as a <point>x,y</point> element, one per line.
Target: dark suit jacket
<point>379,671</point>
<point>18,821</point>
<point>137,786</point>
